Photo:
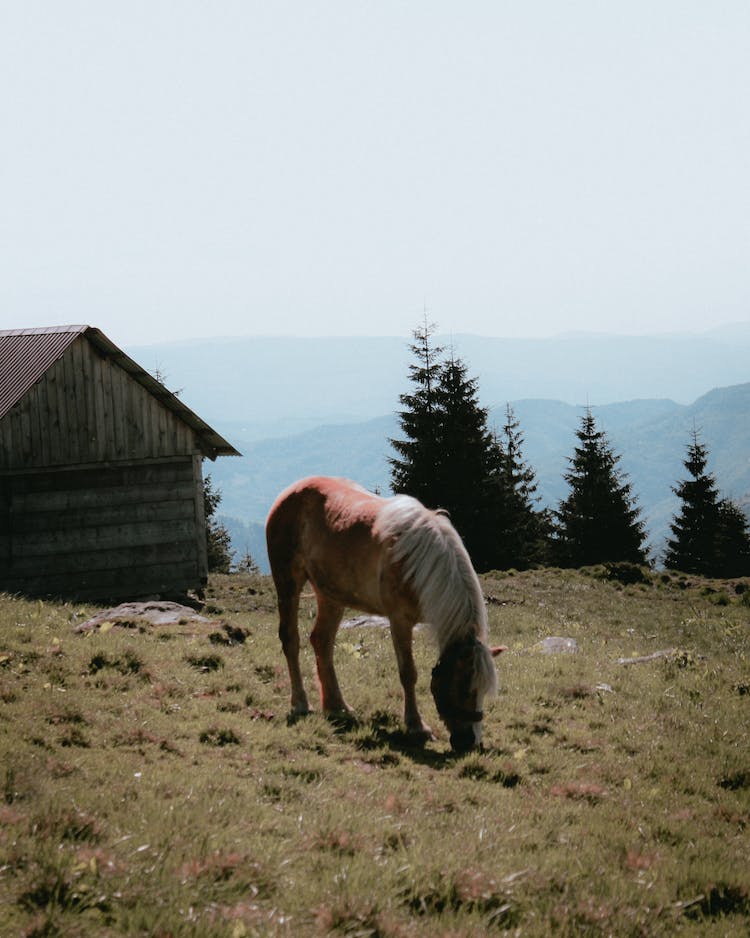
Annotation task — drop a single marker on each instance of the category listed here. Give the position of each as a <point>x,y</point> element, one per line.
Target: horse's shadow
<point>383,731</point>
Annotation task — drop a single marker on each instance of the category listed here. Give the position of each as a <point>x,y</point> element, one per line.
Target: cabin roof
<point>27,354</point>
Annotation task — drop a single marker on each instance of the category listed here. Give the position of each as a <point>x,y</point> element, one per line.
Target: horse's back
<point>320,501</point>
<point>321,529</point>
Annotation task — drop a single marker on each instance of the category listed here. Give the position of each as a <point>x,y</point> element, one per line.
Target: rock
<point>129,614</point>
<point>555,645</point>
<point>379,621</point>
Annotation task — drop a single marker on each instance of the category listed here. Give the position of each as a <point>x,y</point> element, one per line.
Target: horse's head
<point>461,679</point>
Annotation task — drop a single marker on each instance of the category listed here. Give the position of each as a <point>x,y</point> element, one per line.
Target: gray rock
<point>556,645</point>
<point>156,612</point>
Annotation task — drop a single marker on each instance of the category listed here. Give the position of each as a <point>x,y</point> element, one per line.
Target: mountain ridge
<point>308,381</point>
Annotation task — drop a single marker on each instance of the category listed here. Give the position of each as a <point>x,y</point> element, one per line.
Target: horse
<point>385,556</point>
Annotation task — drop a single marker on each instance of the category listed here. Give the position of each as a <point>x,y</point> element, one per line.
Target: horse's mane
<point>436,565</point>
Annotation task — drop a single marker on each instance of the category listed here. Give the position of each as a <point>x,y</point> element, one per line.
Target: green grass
<point>152,784</point>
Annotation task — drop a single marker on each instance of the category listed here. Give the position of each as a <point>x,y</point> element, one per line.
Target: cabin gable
<point>101,489</point>
<point>86,409</point>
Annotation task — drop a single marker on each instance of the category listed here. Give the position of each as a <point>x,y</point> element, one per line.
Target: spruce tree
<point>413,469</point>
<point>218,540</point>
<point>462,458</point>
<point>448,454</point>
<point>599,521</point>
<point>733,541</point>
<point>709,534</point>
<point>520,530</point>
<point>692,547</point>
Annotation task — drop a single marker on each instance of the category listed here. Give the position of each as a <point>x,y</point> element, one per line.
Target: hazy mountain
<point>296,406</point>
<point>262,387</point>
<point>650,435</point>
<point>651,438</point>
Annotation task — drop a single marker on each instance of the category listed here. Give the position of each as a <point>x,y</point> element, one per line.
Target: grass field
<point>152,784</point>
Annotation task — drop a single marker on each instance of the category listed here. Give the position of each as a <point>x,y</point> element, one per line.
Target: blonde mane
<point>436,565</point>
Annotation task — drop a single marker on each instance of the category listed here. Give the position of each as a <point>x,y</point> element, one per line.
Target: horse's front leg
<point>322,639</point>
<point>401,634</point>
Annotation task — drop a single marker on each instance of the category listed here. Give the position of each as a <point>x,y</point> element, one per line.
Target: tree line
<point>448,457</point>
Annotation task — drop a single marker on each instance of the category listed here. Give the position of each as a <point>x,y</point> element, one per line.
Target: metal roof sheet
<point>27,354</point>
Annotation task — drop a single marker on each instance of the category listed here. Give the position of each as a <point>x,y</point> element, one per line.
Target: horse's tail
<point>282,539</point>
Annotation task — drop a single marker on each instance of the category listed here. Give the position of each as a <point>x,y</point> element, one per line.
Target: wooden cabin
<point>101,487</point>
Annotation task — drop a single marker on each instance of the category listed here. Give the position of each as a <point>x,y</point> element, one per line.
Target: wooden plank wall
<point>116,532</point>
<point>88,410</point>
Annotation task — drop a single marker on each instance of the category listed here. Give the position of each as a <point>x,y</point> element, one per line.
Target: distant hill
<point>650,435</point>
<point>262,387</point>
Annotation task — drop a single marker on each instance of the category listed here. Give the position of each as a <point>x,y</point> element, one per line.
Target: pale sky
<point>180,169</point>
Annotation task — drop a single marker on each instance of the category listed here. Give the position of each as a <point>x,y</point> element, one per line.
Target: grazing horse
<point>388,556</point>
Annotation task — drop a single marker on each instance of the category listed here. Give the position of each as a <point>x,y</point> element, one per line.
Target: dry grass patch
<point>152,785</point>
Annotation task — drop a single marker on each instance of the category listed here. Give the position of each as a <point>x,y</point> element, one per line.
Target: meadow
<point>152,784</point>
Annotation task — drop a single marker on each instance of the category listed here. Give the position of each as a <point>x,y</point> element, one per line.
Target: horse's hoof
<point>342,719</point>
<point>420,735</point>
<point>295,714</point>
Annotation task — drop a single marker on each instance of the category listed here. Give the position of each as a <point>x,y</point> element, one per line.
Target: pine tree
<point>446,456</point>
<point>412,471</point>
<point>520,530</point>
<point>218,540</point>
<point>733,541</point>
<point>692,547</point>
<point>462,458</point>
<point>451,460</point>
<point>247,563</point>
<point>599,521</point>
<point>710,534</point>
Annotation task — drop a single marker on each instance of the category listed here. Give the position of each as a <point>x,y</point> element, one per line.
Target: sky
<point>183,169</point>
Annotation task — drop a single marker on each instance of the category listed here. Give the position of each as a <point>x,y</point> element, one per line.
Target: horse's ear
<point>497,649</point>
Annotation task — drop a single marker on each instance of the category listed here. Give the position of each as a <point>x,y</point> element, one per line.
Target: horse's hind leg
<point>323,638</point>
<point>288,591</point>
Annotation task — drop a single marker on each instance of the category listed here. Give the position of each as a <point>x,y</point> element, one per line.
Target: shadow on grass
<point>383,730</point>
